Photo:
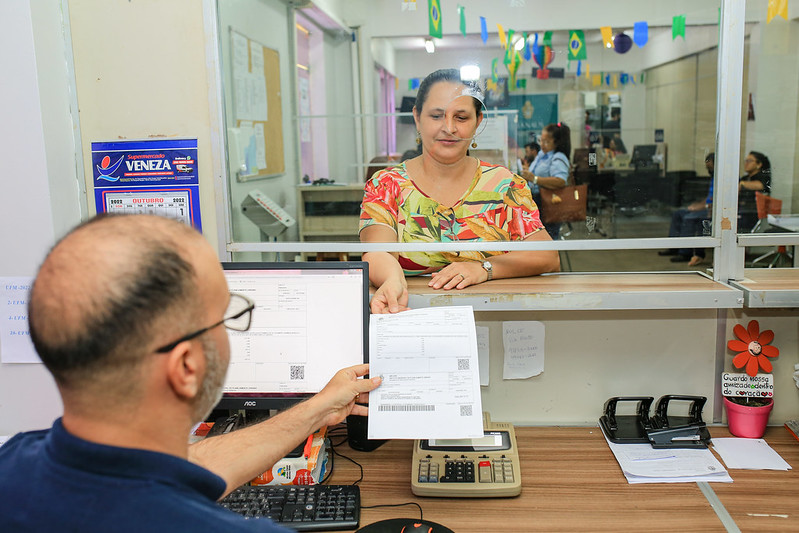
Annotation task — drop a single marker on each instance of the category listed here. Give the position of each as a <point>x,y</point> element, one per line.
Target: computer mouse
<point>404,525</point>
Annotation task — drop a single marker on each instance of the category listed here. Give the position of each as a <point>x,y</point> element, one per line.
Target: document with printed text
<point>431,382</point>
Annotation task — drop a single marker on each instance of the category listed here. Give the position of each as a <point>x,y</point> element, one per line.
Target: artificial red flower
<point>753,348</point>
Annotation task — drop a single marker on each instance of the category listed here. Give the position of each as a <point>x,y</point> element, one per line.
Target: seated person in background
<point>757,178</point>
<point>616,146</point>
<point>550,169</point>
<point>531,151</point>
<point>444,195</point>
<point>106,308</point>
<point>688,222</point>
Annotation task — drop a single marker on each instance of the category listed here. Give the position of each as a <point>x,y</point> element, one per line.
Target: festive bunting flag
<point>678,27</point>
<point>548,38</point>
<point>462,14</point>
<point>409,5</point>
<point>641,33</point>
<point>615,81</point>
<point>624,78</point>
<point>483,30</point>
<point>642,77</point>
<point>510,50</point>
<point>413,84</point>
<point>521,84</point>
<point>491,85</point>
<point>607,79</point>
<point>528,54</point>
<point>577,45</point>
<point>513,67</point>
<point>494,75</point>
<point>587,71</point>
<point>535,46</point>
<point>777,7</point>
<point>579,68</point>
<point>607,36</point>
<point>596,80</point>
<point>434,18</point>
<point>502,39</point>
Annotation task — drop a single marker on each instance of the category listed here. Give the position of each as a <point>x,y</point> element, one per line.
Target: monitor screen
<point>643,155</point>
<point>310,320</point>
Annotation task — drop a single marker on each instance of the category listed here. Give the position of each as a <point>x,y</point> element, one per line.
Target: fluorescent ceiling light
<point>519,43</point>
<point>429,45</point>
<point>470,72</point>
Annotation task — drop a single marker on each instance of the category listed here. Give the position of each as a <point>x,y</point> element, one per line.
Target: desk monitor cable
<point>339,432</point>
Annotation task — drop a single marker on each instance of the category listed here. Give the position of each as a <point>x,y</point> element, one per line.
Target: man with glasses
<point>128,313</point>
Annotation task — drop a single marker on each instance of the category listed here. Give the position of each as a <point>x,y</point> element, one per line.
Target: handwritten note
<point>524,349</point>
<point>15,339</point>
<point>482,354</point>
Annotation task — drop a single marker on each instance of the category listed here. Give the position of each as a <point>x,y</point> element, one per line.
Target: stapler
<point>679,431</point>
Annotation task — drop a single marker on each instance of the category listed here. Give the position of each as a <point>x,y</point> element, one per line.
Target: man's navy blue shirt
<point>51,480</point>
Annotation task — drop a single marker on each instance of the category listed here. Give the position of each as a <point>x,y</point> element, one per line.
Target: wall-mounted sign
<point>157,177</point>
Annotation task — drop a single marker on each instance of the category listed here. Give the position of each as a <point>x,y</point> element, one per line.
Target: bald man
<point>128,313</point>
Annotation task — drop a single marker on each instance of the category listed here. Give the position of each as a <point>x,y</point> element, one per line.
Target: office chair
<point>766,205</point>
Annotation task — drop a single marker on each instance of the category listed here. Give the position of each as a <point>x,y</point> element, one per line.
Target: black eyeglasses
<point>237,317</point>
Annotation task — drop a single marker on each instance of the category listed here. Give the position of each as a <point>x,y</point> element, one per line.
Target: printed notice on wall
<point>15,339</point>
<point>482,353</point>
<point>524,349</point>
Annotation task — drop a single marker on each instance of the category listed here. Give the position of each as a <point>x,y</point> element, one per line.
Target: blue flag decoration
<point>641,33</point>
<point>579,68</point>
<point>483,30</point>
<point>527,53</point>
<point>577,45</point>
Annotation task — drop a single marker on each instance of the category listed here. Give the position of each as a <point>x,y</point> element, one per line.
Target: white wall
<point>37,202</point>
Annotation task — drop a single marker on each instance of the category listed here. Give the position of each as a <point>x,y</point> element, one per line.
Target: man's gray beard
<point>212,385</point>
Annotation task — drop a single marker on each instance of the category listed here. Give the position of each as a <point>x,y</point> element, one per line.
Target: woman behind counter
<point>444,195</point>
<point>550,168</point>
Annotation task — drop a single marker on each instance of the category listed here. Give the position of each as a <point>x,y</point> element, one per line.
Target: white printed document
<point>641,463</point>
<point>431,382</point>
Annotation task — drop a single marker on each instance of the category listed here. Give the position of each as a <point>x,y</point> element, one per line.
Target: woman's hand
<point>459,275</point>
<point>390,297</point>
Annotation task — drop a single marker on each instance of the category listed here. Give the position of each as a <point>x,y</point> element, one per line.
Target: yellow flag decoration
<point>607,36</point>
<point>502,36</point>
<point>777,7</point>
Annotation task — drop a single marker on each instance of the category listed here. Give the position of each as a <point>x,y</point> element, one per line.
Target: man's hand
<point>341,393</point>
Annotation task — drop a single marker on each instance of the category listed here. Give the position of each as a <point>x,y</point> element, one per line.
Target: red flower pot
<point>747,421</point>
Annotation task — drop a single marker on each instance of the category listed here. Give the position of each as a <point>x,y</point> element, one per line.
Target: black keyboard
<point>299,507</point>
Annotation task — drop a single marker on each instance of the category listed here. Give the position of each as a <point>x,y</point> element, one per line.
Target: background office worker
<point>445,195</point>
<point>115,313</point>
<point>550,168</point>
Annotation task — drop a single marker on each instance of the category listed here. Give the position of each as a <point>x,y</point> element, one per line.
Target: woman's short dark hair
<point>765,164</point>
<point>561,136</point>
<point>449,75</point>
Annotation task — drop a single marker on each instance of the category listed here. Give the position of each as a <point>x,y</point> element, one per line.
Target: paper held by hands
<point>431,383</point>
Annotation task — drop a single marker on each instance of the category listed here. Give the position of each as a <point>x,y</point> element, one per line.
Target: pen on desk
<point>306,451</point>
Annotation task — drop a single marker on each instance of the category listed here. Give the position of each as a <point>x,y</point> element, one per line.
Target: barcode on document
<point>466,410</point>
<point>406,407</point>
<point>463,364</point>
<point>296,372</point>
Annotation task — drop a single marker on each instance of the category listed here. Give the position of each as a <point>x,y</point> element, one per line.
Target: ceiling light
<point>519,44</point>
<point>429,45</point>
<point>470,73</point>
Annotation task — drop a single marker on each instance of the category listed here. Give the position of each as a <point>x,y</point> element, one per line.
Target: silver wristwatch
<point>488,267</point>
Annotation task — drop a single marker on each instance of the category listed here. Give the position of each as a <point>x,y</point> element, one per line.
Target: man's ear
<point>185,369</point>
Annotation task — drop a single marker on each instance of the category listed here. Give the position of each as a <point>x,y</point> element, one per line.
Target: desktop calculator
<point>485,467</point>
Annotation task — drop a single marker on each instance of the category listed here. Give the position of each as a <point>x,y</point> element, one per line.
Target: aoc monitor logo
<point>107,169</point>
<point>249,403</point>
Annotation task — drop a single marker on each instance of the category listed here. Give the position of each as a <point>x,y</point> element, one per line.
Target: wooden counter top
<point>770,287</point>
<point>572,482</point>
<point>582,291</point>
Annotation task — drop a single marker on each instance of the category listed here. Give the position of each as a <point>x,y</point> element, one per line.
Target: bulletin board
<point>257,109</point>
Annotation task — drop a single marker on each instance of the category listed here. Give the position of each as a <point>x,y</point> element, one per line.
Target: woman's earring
<point>418,138</point>
<point>474,143</point>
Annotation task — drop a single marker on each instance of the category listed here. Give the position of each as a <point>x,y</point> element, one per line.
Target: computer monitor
<point>310,320</point>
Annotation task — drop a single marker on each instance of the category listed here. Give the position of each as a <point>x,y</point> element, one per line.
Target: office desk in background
<point>572,482</point>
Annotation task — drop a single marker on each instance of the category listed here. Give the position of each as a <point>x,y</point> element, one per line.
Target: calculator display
<point>491,441</point>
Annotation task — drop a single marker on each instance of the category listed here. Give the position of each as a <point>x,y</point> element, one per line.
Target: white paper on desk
<point>641,463</point>
<point>749,454</point>
<point>15,339</point>
<point>483,354</point>
<point>524,349</point>
<point>431,385</point>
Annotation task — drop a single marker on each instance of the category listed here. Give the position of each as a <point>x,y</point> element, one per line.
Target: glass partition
<point>639,96</point>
